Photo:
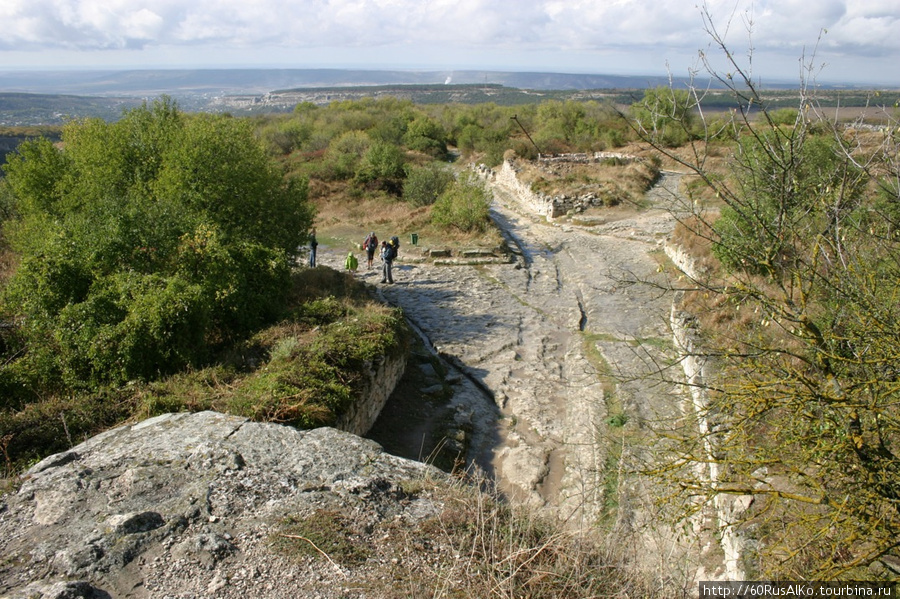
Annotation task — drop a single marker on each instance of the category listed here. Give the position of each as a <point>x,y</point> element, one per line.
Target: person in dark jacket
<point>388,253</point>
<point>313,244</point>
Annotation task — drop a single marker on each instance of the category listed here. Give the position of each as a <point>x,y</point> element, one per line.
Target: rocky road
<point>554,346</point>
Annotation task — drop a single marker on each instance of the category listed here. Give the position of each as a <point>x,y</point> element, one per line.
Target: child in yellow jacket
<point>351,263</point>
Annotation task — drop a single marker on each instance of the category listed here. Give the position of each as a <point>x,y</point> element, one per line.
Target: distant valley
<point>52,97</point>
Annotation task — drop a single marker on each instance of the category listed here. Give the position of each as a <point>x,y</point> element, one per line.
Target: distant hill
<point>52,97</point>
<point>21,109</point>
<point>247,81</point>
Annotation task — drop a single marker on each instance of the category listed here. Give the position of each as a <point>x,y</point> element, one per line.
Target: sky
<point>830,41</point>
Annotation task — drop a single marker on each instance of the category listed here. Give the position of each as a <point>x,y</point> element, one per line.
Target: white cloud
<point>656,28</point>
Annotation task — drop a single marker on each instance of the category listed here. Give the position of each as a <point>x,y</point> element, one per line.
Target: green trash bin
<point>414,238</point>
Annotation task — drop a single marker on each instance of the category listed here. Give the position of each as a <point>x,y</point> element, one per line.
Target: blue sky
<point>848,41</point>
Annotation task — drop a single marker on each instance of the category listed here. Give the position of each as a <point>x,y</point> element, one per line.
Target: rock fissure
<point>583,319</point>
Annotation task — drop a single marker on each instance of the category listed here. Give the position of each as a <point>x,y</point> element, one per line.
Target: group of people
<point>388,254</point>
<point>370,245</point>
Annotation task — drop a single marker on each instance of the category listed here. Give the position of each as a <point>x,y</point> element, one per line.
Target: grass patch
<point>658,343</point>
<point>324,533</point>
<point>612,479</point>
<point>595,357</point>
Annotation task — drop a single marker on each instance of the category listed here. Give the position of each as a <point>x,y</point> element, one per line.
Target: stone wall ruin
<point>550,207</point>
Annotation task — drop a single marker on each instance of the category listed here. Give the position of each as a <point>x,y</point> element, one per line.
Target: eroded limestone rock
<point>124,508</point>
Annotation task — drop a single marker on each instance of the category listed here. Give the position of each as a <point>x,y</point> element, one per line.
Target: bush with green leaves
<point>464,205</point>
<point>665,115</point>
<point>426,135</point>
<point>791,185</point>
<point>425,184</point>
<point>345,154</point>
<point>382,166</point>
<point>564,123</point>
<point>143,242</point>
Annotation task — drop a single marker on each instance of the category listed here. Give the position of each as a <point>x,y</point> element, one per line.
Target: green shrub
<point>382,166</point>
<point>666,115</point>
<point>464,205</point>
<point>144,242</point>
<point>344,155</point>
<point>787,185</point>
<point>424,184</point>
<point>425,135</point>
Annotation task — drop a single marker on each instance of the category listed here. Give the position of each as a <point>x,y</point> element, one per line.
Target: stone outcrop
<point>381,379</point>
<point>182,505</point>
<point>697,366</point>
<point>547,206</point>
<point>507,177</point>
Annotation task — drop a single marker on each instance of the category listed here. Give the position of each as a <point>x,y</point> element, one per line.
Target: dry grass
<point>476,546</point>
<point>616,183</point>
<point>695,236</point>
<point>342,222</point>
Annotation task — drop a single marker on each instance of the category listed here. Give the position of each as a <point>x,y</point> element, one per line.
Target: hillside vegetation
<point>152,266</point>
<point>793,218</point>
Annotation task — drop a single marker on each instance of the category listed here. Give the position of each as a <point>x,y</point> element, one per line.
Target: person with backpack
<point>388,253</point>
<point>370,245</point>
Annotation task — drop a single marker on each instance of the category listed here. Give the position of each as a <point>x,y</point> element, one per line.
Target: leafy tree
<point>283,136</point>
<point>425,184</point>
<point>665,115</point>
<point>485,129</point>
<point>144,241</point>
<point>789,184</point>
<point>464,205</point>
<point>345,154</point>
<point>563,124</point>
<point>383,166</point>
<point>425,135</point>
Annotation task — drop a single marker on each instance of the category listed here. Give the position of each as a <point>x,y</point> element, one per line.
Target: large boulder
<point>188,505</point>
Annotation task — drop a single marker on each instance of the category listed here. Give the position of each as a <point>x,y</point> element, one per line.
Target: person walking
<point>387,258</point>
<point>313,244</point>
<point>370,245</point>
